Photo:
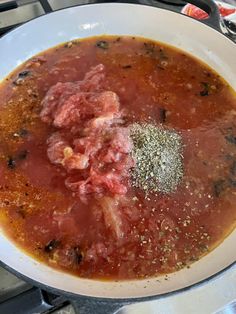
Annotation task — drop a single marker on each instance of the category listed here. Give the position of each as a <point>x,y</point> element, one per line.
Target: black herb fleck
<point>23,132</point>
<point>11,163</point>
<point>75,255</point>
<point>219,186</point>
<point>232,182</point>
<point>52,245</point>
<point>78,255</point>
<point>128,66</point>
<point>231,139</point>
<point>21,211</point>
<point>233,168</point>
<point>208,74</point>
<point>206,89</point>
<point>163,115</point>
<point>162,54</point>
<point>149,48</point>
<point>23,74</point>
<point>34,95</point>
<point>102,44</point>
<point>228,157</point>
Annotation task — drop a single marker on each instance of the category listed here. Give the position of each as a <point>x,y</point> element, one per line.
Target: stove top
<point>19,297</point>
<point>13,13</point>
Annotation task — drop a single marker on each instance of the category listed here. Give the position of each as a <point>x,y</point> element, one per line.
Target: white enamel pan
<point>200,40</point>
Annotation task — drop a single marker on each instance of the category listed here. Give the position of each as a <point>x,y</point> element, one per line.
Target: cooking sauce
<point>161,232</point>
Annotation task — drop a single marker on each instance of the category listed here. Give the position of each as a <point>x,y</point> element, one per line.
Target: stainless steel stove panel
<point>21,14</point>
<point>60,4</point>
<point>10,285</point>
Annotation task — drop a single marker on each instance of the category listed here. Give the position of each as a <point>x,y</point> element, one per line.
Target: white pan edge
<point>119,19</point>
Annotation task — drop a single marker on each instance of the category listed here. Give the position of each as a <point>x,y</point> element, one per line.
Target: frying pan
<point>200,40</point>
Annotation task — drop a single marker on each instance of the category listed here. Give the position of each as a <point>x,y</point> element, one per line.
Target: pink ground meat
<point>91,143</point>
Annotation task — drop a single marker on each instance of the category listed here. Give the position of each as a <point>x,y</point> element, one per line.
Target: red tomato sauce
<point>115,231</point>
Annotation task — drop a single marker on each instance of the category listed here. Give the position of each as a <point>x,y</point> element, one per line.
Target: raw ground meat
<point>60,92</point>
<point>91,144</point>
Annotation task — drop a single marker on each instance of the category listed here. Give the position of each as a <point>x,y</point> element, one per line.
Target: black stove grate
<point>5,6</point>
<point>174,2</point>
<point>46,6</point>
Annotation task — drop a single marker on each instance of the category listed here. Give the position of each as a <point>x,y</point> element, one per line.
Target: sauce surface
<point>161,232</point>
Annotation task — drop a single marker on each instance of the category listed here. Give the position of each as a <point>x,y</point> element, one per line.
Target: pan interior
<point>114,19</point>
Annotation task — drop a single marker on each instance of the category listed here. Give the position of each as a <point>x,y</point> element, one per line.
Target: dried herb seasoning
<point>102,44</point>
<point>158,156</point>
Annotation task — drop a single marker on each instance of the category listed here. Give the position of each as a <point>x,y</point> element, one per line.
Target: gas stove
<point>13,13</point>
<point>217,296</point>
